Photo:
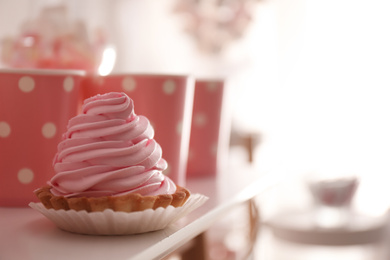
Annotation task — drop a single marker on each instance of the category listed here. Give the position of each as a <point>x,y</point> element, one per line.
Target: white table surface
<point>26,234</point>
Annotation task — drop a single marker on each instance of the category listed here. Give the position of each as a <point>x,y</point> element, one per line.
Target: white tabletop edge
<point>200,225</point>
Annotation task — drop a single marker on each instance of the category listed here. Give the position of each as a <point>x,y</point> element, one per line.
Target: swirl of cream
<point>108,150</point>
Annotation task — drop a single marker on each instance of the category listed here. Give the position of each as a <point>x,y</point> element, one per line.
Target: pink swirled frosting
<point>108,150</point>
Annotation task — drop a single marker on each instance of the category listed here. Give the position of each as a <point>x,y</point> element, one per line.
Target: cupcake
<point>109,170</point>
<point>108,159</point>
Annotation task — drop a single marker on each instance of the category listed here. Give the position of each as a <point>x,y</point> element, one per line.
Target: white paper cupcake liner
<point>109,222</point>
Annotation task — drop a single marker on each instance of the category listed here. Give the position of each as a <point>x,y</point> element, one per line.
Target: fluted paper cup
<point>109,222</point>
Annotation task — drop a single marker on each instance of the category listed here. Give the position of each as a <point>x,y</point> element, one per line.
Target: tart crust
<point>127,203</point>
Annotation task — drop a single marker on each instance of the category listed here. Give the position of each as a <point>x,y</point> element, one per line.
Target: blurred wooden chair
<point>196,249</point>
<point>249,141</point>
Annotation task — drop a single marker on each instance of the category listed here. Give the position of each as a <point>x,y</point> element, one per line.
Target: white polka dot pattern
<point>25,175</point>
<point>128,84</point>
<point>47,99</point>
<point>179,128</point>
<point>49,130</point>
<point>200,119</point>
<point>214,149</point>
<point>191,154</point>
<point>68,84</point>
<point>169,87</point>
<point>5,129</point>
<point>212,86</point>
<point>167,170</point>
<point>206,127</point>
<point>26,84</point>
<point>99,81</point>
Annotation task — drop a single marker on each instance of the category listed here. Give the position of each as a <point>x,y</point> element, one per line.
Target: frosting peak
<point>108,150</point>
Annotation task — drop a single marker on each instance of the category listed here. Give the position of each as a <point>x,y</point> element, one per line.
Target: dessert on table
<point>108,162</point>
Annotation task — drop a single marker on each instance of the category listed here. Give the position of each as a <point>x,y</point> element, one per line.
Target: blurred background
<point>308,79</point>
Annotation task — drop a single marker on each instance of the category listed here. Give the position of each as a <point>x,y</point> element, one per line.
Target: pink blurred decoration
<point>206,153</point>
<point>54,41</point>
<point>334,192</point>
<point>215,23</point>
<point>166,100</point>
<point>35,106</point>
